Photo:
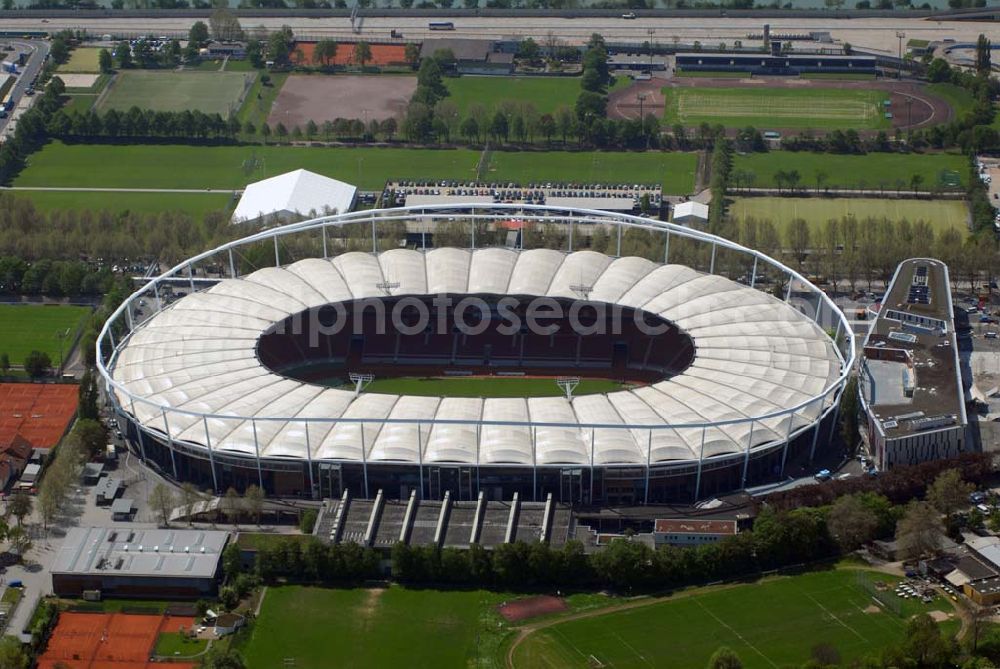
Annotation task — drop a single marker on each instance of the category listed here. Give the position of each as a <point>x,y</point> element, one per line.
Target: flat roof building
<point>909,379</point>
<point>691,531</point>
<point>164,564</point>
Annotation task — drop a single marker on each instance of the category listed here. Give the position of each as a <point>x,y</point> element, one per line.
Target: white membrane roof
<point>755,355</point>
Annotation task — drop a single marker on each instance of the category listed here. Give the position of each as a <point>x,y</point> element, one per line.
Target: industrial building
<point>909,379</point>
<point>139,563</point>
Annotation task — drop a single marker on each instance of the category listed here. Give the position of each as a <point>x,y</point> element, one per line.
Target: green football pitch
<point>766,107</point>
<point>209,92</point>
<point>482,386</point>
<point>546,94</point>
<point>223,167</point>
<point>27,328</point>
<point>771,623</point>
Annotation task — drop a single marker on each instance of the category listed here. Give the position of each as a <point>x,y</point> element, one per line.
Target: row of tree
<point>52,278</point>
<point>141,125</point>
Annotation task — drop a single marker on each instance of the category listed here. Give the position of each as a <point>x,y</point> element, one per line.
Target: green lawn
<point>84,60</point>
<point>772,623</point>
<point>221,167</point>
<point>545,93</point>
<point>940,214</point>
<point>259,99</point>
<point>373,628</point>
<point>209,92</point>
<point>27,328</point>
<point>674,170</point>
<point>960,99</point>
<point>483,387</point>
<point>174,644</point>
<point>849,171</point>
<point>194,204</point>
<point>764,107</point>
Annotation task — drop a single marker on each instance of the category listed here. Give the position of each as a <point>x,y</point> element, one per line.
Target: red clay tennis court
<point>39,412</point>
<point>109,641</point>
<point>382,54</point>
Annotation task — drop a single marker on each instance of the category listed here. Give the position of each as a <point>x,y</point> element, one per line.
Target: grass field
<point>940,214</point>
<point>674,170</point>
<point>27,328</point>
<point>174,644</point>
<point>371,628</point>
<point>221,167</point>
<point>764,107</point>
<point>83,59</point>
<point>194,204</point>
<point>545,93</point>
<point>482,387</point>
<point>769,624</point>
<point>209,92</point>
<point>847,171</point>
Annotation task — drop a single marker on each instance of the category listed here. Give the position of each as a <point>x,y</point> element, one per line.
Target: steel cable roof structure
<point>199,401</point>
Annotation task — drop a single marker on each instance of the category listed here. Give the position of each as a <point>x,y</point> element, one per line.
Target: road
<point>227,191</point>
<point>877,34</point>
<point>38,51</point>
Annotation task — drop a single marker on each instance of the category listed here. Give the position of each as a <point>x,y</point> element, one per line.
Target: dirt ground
<point>924,109</point>
<point>326,98</point>
<point>532,607</point>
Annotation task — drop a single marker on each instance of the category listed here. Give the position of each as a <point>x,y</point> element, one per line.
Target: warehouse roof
<point>159,553</point>
<point>691,208</point>
<point>301,192</point>
<point>755,355</point>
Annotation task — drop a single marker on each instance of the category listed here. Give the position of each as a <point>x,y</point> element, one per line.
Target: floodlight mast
<point>387,286</point>
<point>568,385</point>
<point>360,381</point>
<point>581,289</point>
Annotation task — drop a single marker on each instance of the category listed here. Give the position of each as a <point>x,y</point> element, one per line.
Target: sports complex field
<point>940,214</point>
<point>27,328</point>
<point>772,623</point>
<point>209,92</point>
<point>230,167</point>
<point>483,387</point>
<point>767,107</point>
<point>546,94</point>
<point>82,60</point>
<point>888,171</point>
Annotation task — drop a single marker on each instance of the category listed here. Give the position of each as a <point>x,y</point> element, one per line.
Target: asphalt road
<point>38,51</point>
<point>878,34</point>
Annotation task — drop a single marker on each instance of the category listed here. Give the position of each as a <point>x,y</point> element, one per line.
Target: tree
<point>915,182</point>
<point>923,643</point>
<point>91,436</point>
<point>105,61</point>
<point>88,396</point>
<point>919,531</point>
<point>224,25</point>
<point>411,54</point>
<point>499,127</point>
<point>254,500</point>
<point>231,506</point>
<point>948,493</point>
<point>851,523</point>
<point>725,658</point>
<point>798,239</point>
<point>19,506</point>
<point>13,654</point>
<point>849,408</point>
<point>983,60</point>
<point>198,34</point>
<point>325,51</point>
<point>362,53</point>
<point>4,364</point>
<point>162,499</point>
<point>20,542</point>
<point>37,364</point>
<point>123,52</point>
<point>189,499</point>
<point>58,51</point>
<point>308,521</point>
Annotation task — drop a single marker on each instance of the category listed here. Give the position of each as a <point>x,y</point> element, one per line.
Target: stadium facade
<point>728,380</point>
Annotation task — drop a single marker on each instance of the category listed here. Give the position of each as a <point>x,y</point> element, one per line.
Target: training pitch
<point>27,328</point>
<point>768,107</point>
<point>483,386</point>
<point>769,624</point>
<point>82,60</point>
<point>545,94</point>
<point>223,167</point>
<point>316,628</point>
<point>208,92</point>
<point>940,214</point>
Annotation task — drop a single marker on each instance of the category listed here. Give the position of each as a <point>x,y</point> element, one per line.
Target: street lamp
<point>642,119</point>
<point>651,32</point>
<point>900,35</point>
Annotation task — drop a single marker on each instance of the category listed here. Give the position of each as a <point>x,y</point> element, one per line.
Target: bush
<point>308,521</point>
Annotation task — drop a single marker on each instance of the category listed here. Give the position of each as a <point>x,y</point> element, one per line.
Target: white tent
<point>293,196</point>
<point>691,214</point>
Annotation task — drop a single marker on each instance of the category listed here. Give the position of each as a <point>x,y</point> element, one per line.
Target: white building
<point>691,214</point>
<point>294,196</point>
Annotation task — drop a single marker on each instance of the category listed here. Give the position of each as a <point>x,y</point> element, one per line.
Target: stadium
<point>300,363</point>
